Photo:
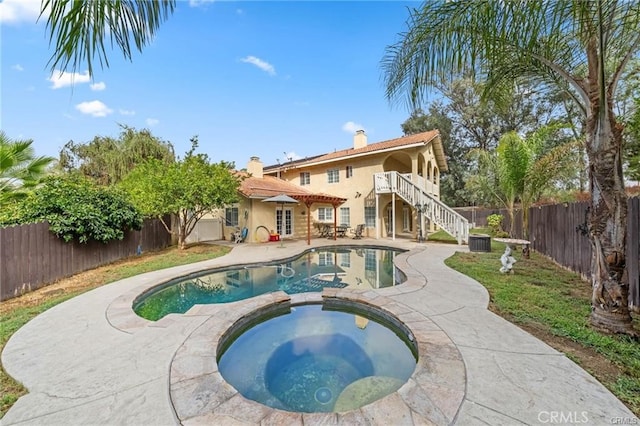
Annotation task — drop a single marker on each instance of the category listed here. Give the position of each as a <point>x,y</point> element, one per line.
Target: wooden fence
<point>478,217</point>
<point>554,232</point>
<point>32,257</point>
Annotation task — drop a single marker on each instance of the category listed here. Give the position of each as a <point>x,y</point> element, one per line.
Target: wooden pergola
<point>309,199</point>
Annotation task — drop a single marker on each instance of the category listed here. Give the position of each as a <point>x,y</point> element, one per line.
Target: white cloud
<point>152,121</point>
<point>18,67</point>
<point>126,112</point>
<point>17,11</point>
<point>198,3</point>
<point>64,79</point>
<point>263,65</point>
<point>94,108</point>
<point>351,127</point>
<point>98,86</point>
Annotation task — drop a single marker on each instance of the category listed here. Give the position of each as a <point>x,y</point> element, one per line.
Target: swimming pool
<point>358,267</point>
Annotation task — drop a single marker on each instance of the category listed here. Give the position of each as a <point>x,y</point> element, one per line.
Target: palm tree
<point>581,47</point>
<point>520,170</point>
<point>78,29</point>
<point>20,170</point>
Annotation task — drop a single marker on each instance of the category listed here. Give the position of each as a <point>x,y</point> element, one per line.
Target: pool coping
<point>433,394</point>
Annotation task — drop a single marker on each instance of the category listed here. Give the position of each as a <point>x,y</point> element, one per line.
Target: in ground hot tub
<point>336,357</point>
<point>318,358</point>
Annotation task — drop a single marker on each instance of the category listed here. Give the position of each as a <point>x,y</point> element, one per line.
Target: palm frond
<point>78,30</point>
<point>541,42</point>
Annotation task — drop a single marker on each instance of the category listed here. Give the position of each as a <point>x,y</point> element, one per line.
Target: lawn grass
<point>543,297</point>
<point>15,313</point>
<point>442,237</point>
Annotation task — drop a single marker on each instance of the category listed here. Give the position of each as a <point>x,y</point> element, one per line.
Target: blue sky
<point>271,79</point>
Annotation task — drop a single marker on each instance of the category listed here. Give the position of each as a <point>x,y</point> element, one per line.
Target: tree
<point>521,170</point>
<point>20,169</point>
<point>632,141</point>
<point>451,183</point>
<point>633,144</point>
<point>581,47</point>
<point>480,122</point>
<point>79,29</point>
<point>188,189</point>
<point>107,160</point>
<point>77,208</point>
<point>466,121</point>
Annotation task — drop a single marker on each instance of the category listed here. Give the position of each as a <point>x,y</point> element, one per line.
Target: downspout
<point>335,222</point>
<point>393,215</point>
<point>377,220</point>
<point>308,223</point>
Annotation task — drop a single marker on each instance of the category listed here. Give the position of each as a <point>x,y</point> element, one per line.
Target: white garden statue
<point>507,261</point>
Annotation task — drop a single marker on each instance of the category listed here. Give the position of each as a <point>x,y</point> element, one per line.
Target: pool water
<point>317,360</point>
<point>337,267</point>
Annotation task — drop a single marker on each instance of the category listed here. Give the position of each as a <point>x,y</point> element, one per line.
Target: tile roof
<point>424,138</point>
<point>269,186</point>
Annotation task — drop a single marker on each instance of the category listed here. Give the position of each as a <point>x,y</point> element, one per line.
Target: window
<point>305,178</point>
<point>325,259</point>
<point>349,171</point>
<point>370,216</point>
<point>370,261</point>
<point>345,216</point>
<point>233,278</point>
<point>231,216</point>
<point>406,219</point>
<point>333,175</point>
<point>325,214</point>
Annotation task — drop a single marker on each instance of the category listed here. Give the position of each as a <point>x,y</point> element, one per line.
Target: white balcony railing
<point>421,192</point>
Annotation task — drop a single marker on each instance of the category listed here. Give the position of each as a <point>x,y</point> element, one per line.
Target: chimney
<point>255,167</point>
<point>359,139</point>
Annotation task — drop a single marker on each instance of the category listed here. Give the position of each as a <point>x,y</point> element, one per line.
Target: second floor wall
<point>353,179</point>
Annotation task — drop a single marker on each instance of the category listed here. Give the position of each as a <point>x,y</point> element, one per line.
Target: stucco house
<point>391,187</point>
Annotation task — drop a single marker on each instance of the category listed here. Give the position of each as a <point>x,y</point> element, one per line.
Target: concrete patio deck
<point>92,361</point>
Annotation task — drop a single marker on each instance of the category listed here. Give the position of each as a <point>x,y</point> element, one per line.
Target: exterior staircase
<point>418,194</point>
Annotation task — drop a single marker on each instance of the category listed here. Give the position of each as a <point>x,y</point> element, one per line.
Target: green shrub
<point>78,209</point>
<point>494,222</point>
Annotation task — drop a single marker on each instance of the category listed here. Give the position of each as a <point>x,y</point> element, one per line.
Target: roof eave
<point>438,152</point>
<point>346,157</point>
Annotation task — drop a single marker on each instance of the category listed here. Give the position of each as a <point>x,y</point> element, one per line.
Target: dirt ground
<point>77,283</point>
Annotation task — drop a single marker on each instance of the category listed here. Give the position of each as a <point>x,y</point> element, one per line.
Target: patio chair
<point>326,231</point>
<point>357,234</point>
<point>241,235</point>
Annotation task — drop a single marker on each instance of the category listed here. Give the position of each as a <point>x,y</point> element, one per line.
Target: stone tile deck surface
<point>93,361</point>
